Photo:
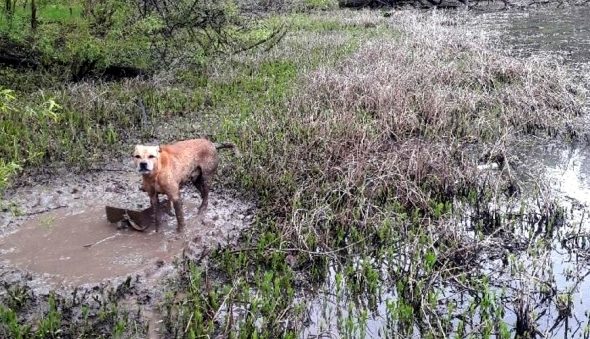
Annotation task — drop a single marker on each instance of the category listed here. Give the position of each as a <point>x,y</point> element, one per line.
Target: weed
<point>7,170</point>
<point>10,326</point>
<point>321,4</point>
<point>50,325</point>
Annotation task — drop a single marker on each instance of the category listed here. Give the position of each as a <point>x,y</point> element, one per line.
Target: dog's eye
<point>151,156</point>
<point>137,156</point>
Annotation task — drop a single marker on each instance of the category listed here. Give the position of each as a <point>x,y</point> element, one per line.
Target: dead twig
<point>100,241</point>
<point>45,210</point>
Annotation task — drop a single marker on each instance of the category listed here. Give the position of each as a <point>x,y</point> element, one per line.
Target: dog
<point>166,168</point>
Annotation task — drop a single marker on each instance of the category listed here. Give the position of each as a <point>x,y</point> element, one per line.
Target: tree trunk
<point>87,8</point>
<point>33,15</point>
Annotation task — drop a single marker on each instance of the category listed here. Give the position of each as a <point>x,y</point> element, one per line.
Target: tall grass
<point>397,123</point>
<point>368,160</point>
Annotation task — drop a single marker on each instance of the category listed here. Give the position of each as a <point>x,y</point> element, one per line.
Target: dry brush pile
<point>405,120</point>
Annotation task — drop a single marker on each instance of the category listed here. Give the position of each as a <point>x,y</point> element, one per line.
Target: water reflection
<point>559,32</point>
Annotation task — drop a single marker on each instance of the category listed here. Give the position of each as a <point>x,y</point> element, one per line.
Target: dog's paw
<point>175,237</point>
<point>123,224</point>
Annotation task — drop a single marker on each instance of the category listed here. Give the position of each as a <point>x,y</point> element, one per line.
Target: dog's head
<point>146,158</point>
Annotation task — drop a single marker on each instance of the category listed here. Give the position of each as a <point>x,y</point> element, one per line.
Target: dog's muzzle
<point>143,167</point>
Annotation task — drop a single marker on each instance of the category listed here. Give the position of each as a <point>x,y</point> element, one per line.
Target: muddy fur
<point>166,168</point>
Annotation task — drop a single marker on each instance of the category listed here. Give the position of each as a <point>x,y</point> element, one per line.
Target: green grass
<point>58,321</point>
<point>90,121</point>
<point>18,25</point>
<point>66,45</point>
<point>60,13</point>
<point>55,13</point>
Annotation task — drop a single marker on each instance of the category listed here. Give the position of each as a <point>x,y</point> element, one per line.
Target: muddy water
<point>559,32</point>
<point>50,222</point>
<point>80,246</point>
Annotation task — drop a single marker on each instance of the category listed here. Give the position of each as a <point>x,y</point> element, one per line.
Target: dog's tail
<point>220,145</point>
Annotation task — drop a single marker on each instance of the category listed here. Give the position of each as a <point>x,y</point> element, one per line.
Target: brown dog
<point>165,168</point>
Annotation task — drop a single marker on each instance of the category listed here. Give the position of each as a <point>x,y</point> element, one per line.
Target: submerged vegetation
<point>361,136</point>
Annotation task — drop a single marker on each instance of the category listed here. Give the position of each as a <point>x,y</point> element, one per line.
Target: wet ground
<point>55,236</point>
<point>50,224</point>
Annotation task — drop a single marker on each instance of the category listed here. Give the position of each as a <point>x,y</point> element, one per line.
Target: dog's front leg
<point>154,201</point>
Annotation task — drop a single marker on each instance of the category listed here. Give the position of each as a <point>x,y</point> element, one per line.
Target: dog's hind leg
<point>202,183</point>
<point>169,208</point>
<point>174,196</point>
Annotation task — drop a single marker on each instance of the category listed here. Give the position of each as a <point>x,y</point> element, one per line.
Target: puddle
<point>46,225</point>
<point>53,243</point>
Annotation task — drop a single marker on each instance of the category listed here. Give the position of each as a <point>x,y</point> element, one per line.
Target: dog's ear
<point>158,148</point>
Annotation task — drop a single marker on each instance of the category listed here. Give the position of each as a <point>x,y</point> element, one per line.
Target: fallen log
<point>137,220</point>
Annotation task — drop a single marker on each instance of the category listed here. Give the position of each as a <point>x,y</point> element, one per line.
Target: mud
<point>76,247</point>
<point>45,224</point>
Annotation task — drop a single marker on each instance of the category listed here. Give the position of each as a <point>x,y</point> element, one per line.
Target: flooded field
<point>562,33</point>
<point>534,260</point>
<point>537,271</point>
